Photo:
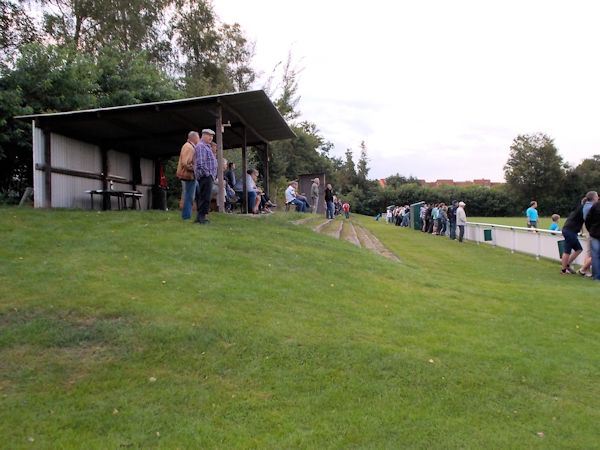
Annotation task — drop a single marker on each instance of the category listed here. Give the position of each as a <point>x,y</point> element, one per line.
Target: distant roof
<point>160,128</point>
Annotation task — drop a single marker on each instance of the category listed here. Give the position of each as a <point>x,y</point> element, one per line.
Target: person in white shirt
<point>291,197</point>
<point>461,220</point>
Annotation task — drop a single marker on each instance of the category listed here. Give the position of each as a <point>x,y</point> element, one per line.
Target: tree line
<point>62,55</point>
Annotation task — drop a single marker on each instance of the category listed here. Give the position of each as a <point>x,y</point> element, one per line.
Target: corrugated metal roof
<point>160,128</point>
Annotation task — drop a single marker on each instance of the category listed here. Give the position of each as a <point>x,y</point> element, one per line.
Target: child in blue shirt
<point>554,226</point>
<point>532,215</point>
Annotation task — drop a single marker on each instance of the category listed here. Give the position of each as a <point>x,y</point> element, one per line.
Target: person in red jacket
<point>346,208</point>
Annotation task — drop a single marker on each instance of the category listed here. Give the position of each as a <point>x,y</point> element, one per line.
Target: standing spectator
<point>314,194</point>
<point>571,229</point>
<point>461,220</point>
<point>452,220</point>
<point>206,173</point>
<point>329,202</point>
<point>405,217</point>
<point>554,226</point>
<point>422,214</point>
<point>592,223</point>
<point>587,263</point>
<point>230,175</point>
<point>443,219</point>
<point>185,172</point>
<point>532,215</point>
<point>346,208</point>
<point>389,214</point>
<point>435,219</point>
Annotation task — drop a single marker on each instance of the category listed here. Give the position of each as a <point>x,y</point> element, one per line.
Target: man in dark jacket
<point>592,223</point>
<point>329,201</point>
<point>452,219</point>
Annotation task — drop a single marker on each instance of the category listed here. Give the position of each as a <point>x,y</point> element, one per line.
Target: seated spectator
<point>291,198</point>
<point>253,194</point>
<point>265,203</point>
<point>555,226</point>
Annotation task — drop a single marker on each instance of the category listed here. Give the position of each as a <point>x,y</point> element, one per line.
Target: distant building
<point>449,182</point>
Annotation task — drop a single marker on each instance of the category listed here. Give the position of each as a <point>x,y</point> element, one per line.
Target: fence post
<point>514,240</point>
<point>539,244</point>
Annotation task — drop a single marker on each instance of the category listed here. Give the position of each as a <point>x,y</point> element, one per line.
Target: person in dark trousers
<point>592,223</point>
<point>571,229</point>
<point>452,220</point>
<point>185,172</point>
<point>429,219</point>
<point>329,202</point>
<point>461,220</point>
<point>230,175</point>
<point>206,173</point>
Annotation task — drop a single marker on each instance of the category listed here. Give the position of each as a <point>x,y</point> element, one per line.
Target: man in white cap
<point>314,194</point>
<point>206,173</point>
<point>461,220</point>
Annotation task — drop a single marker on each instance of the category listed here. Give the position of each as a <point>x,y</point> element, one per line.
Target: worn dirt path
<point>354,233</point>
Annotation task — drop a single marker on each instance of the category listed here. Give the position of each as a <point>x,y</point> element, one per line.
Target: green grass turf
<point>544,222</point>
<point>135,330</point>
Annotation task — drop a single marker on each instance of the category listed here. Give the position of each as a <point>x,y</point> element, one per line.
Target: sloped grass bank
<point>137,330</point>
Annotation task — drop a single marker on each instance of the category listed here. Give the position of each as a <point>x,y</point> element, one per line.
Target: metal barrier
<point>536,242</point>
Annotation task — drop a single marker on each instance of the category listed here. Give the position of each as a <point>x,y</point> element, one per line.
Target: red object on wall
<point>163,179</point>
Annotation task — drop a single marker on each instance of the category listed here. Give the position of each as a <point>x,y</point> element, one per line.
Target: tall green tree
<point>89,25</point>
<point>44,80</point>
<point>16,30</point>
<point>534,170</point>
<point>589,172</point>
<point>362,167</point>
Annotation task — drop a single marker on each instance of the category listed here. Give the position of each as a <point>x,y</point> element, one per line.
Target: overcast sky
<point>438,88</point>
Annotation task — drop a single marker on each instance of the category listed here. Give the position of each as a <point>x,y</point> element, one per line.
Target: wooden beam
<point>47,168</point>
<point>233,111</point>
<point>220,177</point>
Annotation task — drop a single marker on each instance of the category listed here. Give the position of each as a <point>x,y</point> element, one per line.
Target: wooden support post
<point>220,178</point>
<point>266,174</point>
<point>105,198</point>
<point>47,169</point>
<point>244,169</point>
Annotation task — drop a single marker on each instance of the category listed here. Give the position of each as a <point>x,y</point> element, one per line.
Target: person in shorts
<point>532,215</point>
<point>570,231</point>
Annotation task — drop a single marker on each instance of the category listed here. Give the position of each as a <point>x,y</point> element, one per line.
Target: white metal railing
<point>532,241</point>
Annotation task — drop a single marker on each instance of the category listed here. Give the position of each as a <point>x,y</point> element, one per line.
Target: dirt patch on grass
<point>356,234</point>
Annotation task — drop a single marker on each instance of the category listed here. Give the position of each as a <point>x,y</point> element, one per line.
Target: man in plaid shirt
<point>206,173</point>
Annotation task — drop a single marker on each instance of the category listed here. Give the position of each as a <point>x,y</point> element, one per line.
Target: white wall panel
<point>119,165</point>
<point>69,192</point>
<point>147,169</point>
<point>72,154</point>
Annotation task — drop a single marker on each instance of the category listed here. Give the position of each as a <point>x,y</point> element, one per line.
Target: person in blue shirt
<point>532,215</point>
<point>555,226</point>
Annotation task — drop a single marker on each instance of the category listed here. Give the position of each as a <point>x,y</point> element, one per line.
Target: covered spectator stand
<point>121,147</point>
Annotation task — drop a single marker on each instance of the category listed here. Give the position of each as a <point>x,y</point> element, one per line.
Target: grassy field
<point>544,222</point>
<point>133,329</point>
